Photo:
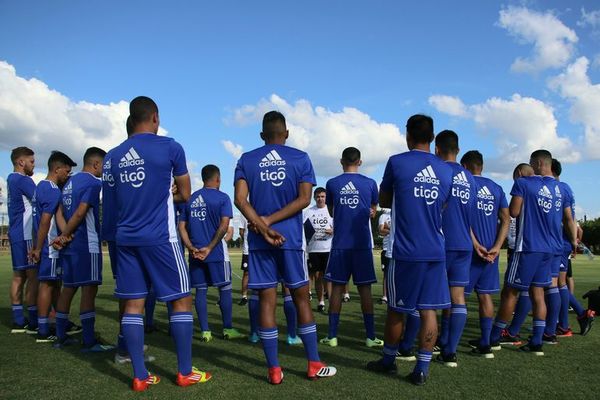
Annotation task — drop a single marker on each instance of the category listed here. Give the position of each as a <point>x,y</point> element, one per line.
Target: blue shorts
<point>162,267</point>
<point>266,268</point>
<point>50,269</point>
<point>417,285</point>
<point>529,269</point>
<point>18,252</point>
<point>81,269</point>
<point>112,255</point>
<point>205,274</point>
<point>564,262</point>
<point>356,263</point>
<point>484,277</point>
<point>555,265</point>
<point>458,264</point>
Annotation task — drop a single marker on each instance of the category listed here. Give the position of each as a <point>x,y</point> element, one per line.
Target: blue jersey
<point>490,200</point>
<point>555,215</point>
<point>568,199</point>
<point>273,173</point>
<point>351,196</point>
<point>20,212</point>
<point>457,215</point>
<point>143,168</point>
<point>533,222</point>
<point>46,200</point>
<point>420,184</point>
<point>83,188</point>
<point>203,213</point>
<point>109,200</point>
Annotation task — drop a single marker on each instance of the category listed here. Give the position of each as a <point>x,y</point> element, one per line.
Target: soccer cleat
<point>585,321</point>
<point>331,342</point>
<point>449,360</point>
<point>196,376</point>
<point>549,339</point>
<point>509,340</point>
<point>31,330</point>
<point>380,367</point>
<point>49,338</point>
<point>495,346</point>
<point>243,301</point>
<point>533,349</point>
<point>275,375</point>
<point>321,308</point>
<point>205,336</point>
<point>481,351</point>
<point>417,378</point>
<point>73,329</point>
<point>125,358</point>
<point>383,300</point>
<point>346,297</point>
<point>139,385</point>
<point>310,296</point>
<point>293,340</point>
<point>437,349</point>
<point>316,369</point>
<point>374,342</point>
<point>232,333</point>
<point>405,355</point>
<point>67,341</point>
<point>18,328</point>
<point>97,347</point>
<point>253,338</point>
<point>561,332</point>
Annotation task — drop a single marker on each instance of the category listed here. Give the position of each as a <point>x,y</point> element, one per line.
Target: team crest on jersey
<point>485,201</point>
<point>430,192</point>
<point>349,195</point>
<point>198,207</point>
<point>274,168</point>
<point>544,199</point>
<point>134,173</point>
<point>461,188</point>
<point>558,197</point>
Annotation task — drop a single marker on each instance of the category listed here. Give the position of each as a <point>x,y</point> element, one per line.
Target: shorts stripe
<point>183,278</point>
<point>514,265</point>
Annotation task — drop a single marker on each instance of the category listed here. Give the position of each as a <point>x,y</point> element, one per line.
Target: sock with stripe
<point>369,321</point>
<point>182,327</point>
<point>444,331</point>
<point>289,309</point>
<point>458,318</point>
<point>32,311</point>
<point>308,334</point>
<point>389,353</point>
<point>497,330</point>
<point>411,330</point>
<point>253,307</point>
<point>521,310</point>
<point>485,325</point>
<point>149,307</point>
<point>552,310</point>
<point>334,320</point>
<point>201,308</point>
<point>43,326</point>
<point>576,306</point>
<point>88,321</point>
<point>62,319</point>
<point>18,317</point>
<point>539,325</point>
<point>226,305</point>
<point>563,316</point>
<point>268,337</point>
<point>423,361</point>
<point>132,326</point>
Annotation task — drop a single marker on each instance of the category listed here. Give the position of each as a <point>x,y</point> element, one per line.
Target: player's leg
<point>62,314</point>
<point>363,276</point>
<point>220,276</point>
<point>149,308</point>
<point>553,302</point>
<point>457,320</point>
<point>320,289</point>
<point>31,291</point>
<point>199,279</point>
<point>244,300</point>
<point>291,316</point>
<point>335,308</point>
<point>346,297</point>
<point>563,329</point>
<point>542,277</point>
<point>338,272</point>
<point>412,327</point>
<point>16,298</point>
<point>366,304</point>
<point>384,264</point>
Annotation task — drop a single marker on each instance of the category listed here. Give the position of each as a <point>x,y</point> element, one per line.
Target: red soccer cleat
<point>275,375</point>
<point>139,385</point>
<point>317,369</point>
<point>196,376</point>
<point>562,332</point>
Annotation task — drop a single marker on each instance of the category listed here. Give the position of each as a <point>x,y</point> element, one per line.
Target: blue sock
<point>563,316</point>
<point>149,307</point>
<point>411,330</point>
<point>553,309</point>
<point>576,306</point>
<point>201,308</point>
<point>389,353</point>
<point>32,310</point>
<point>290,315</point>
<point>444,332</point>
<point>62,319</point>
<point>521,310</point>
<point>497,330</point>
<point>253,306</point>
<point>182,327</point>
<point>268,337</point>
<point>43,326</point>
<point>121,345</point>
<point>226,305</point>
<point>369,321</point>
<point>539,325</point>
<point>132,326</point>
<point>18,317</point>
<point>308,334</point>
<point>423,360</point>
<point>88,321</point>
<point>485,325</point>
<point>458,318</point>
<point>334,320</point>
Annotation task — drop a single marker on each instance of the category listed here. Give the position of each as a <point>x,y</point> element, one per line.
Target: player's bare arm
<point>183,189</point>
<point>185,238</point>
<point>516,203</point>
<point>293,208</point>
<point>218,236</point>
<point>500,235</point>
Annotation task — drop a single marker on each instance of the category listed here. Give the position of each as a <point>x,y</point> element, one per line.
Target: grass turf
<point>33,371</point>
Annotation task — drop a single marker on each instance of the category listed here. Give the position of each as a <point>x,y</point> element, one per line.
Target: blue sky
<point>509,78</point>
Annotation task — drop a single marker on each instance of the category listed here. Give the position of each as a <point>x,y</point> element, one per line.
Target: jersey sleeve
<point>503,202</point>
<point>184,214</point>
<point>567,199</point>
<point>387,183</point>
<point>91,195</point>
<point>178,159</point>
<point>50,201</point>
<point>518,188</point>
<point>226,208</point>
<point>374,193</point>
<point>240,172</point>
<point>28,187</point>
<point>307,173</point>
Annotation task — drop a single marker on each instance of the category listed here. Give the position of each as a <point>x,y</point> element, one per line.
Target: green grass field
<point>34,371</point>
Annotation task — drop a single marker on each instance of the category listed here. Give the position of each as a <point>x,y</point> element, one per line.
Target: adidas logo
<point>272,159</point>
<point>107,164</point>
<point>131,159</point>
<point>400,303</point>
<point>349,189</point>
<point>461,179</point>
<point>427,175</point>
<point>557,191</point>
<point>545,192</point>
<point>517,280</point>
<point>484,193</point>
<point>198,202</point>
<point>68,189</point>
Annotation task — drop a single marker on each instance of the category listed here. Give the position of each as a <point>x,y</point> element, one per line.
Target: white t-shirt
<point>225,248</point>
<point>244,226</point>
<point>386,218</point>
<point>316,222</point>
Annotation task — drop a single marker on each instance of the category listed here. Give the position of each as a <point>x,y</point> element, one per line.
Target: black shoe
<point>321,308</point>
<point>533,349</point>
<point>379,366</point>
<point>148,329</point>
<point>585,322</point>
<point>49,338</point>
<point>474,343</point>
<point>507,339</point>
<point>483,351</point>
<point>19,328</point>
<point>73,329</point>
<point>243,301</point>
<point>449,360</point>
<point>417,378</point>
<point>407,355</point>
<point>549,339</point>
<point>67,341</point>
<point>437,349</point>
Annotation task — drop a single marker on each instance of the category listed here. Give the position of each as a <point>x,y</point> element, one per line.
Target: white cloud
<point>450,105</point>
<point>323,133</point>
<point>589,19</point>
<point>195,175</point>
<point>553,42</point>
<point>234,149</point>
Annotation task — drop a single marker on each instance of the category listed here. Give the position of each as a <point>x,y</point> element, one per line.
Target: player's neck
<point>279,140</point>
<point>448,157</point>
<point>211,185</point>
<point>351,169</point>
<point>19,170</point>
<point>52,178</point>
<point>89,170</point>
<point>426,147</point>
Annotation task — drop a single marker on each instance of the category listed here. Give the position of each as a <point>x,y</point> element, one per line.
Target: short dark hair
<point>93,152</point>
<point>141,109</point>
<point>519,169</point>
<point>350,155</point>
<point>273,123</point>
<point>209,171</point>
<point>59,158</point>
<point>556,167</point>
<point>318,190</point>
<point>472,159</point>
<point>447,142</point>
<point>542,154</point>
<point>420,128</point>
<point>19,152</point>
<point>129,125</point>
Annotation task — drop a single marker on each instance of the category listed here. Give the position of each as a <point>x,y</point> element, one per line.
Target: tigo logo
<point>349,195</point>
<point>427,175</point>
<point>131,159</point>
<point>545,199</point>
<point>198,207</point>
<point>272,159</point>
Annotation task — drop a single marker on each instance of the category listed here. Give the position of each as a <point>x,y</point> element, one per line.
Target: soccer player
<point>352,200</point>
<point>144,167</point>
<point>243,231</point>
<point>81,257</point>
<point>489,226</point>
<point>456,224</point>
<point>279,180</point>
<point>202,227</point>
<point>416,184</point>
<point>318,228</point>
<point>20,193</point>
<point>46,200</point>
<point>383,228</point>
